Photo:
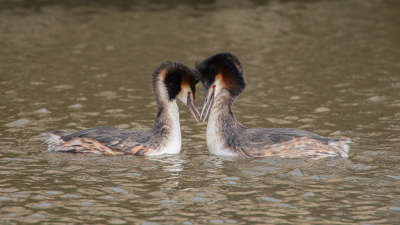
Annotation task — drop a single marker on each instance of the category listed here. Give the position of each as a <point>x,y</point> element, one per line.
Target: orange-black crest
<point>226,65</point>
<point>175,75</point>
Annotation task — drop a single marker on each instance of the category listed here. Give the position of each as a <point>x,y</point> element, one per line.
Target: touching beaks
<point>207,104</point>
<point>191,105</point>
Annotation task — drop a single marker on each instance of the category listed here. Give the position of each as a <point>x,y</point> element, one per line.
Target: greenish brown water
<point>329,67</point>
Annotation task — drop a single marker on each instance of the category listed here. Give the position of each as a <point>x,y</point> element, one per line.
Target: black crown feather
<point>228,65</point>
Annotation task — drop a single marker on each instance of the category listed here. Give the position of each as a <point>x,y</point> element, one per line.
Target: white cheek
<point>183,95</point>
<point>218,87</point>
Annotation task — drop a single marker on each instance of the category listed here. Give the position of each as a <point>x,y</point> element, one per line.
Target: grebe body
<point>170,80</point>
<point>223,79</point>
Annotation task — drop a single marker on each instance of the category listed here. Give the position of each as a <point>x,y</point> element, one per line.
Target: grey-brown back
<point>111,137</point>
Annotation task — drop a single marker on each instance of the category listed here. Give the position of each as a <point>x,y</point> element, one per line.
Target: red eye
<point>189,93</point>
<point>213,86</point>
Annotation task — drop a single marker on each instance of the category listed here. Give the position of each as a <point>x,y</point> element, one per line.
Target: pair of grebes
<point>223,79</point>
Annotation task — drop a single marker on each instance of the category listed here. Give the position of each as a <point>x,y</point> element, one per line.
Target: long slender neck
<point>166,130</point>
<point>167,118</point>
<point>223,130</point>
<point>222,110</point>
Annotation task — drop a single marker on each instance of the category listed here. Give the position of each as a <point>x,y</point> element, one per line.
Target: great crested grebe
<point>170,80</point>
<point>223,79</point>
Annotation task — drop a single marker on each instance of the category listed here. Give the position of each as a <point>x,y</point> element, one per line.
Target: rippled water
<point>329,67</point>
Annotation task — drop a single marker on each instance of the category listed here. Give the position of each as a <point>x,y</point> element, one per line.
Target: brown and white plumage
<point>170,80</point>
<point>223,78</point>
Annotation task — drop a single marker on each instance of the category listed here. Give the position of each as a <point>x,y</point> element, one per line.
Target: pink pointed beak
<point>208,103</point>
<point>191,105</point>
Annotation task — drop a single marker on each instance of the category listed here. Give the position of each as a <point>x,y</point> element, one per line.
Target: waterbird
<point>223,79</point>
<point>170,80</point>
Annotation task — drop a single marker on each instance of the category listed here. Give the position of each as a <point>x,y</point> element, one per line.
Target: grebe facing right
<point>223,79</point>
<point>171,80</point>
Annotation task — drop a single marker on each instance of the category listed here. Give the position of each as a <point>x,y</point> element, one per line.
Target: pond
<point>328,67</point>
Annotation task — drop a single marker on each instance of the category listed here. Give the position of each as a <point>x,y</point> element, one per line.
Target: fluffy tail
<point>341,145</point>
<point>55,142</point>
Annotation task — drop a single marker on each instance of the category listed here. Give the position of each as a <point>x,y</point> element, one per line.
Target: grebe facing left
<point>223,79</point>
<point>170,80</point>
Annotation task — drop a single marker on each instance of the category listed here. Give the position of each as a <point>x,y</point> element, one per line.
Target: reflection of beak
<point>207,104</point>
<point>190,104</point>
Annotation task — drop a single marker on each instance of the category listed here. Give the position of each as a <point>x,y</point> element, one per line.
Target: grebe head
<point>220,71</point>
<point>177,81</point>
